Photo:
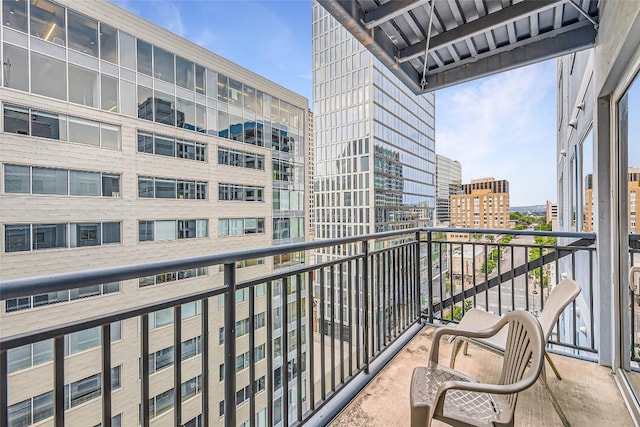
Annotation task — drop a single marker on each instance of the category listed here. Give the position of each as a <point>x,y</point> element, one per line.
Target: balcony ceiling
<point>469,38</point>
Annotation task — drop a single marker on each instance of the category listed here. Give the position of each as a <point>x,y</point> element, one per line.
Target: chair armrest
<point>480,388</point>
<point>484,333</point>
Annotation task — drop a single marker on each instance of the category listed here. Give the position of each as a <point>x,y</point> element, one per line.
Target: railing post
<point>365,297</point>
<point>430,275</point>
<point>230,345</point>
<point>418,288</point>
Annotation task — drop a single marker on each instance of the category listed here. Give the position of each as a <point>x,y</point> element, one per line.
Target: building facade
<point>484,203</point>
<point>309,174</point>
<point>123,143</point>
<point>448,182</point>
<point>633,191</point>
<point>375,150</point>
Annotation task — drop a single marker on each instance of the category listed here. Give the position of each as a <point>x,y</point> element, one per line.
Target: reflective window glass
<point>109,136</point>
<point>111,185</point>
<point>165,146</point>
<point>85,235</point>
<point>144,58</point>
<point>47,125</point>
<point>84,87</point>
<point>235,93</point>
<point>145,187</point>
<point>49,181</point>
<point>14,14</point>
<point>165,108</point>
<point>145,103</point>
<point>201,227</point>
<point>223,88</point>
<point>223,124</point>
<point>145,143</point>
<point>165,230</point>
<point>84,131</point>
<point>110,232</point>
<point>201,113</point>
<point>200,79</point>
<point>16,179</point>
<point>109,91</point>
<point>128,98</point>
<point>46,236</point>
<point>165,189</point>
<point>83,33</point>
<point>84,183</point>
<point>127,50</point>
<point>185,114</point>
<point>17,237</point>
<point>145,231</point>
<point>48,76</point>
<point>184,73</point>
<point>15,67</point>
<point>109,44</point>
<point>186,150</point>
<point>47,21</point>
<point>43,406</point>
<point>16,120</point>
<point>163,64</point>
<point>250,99</point>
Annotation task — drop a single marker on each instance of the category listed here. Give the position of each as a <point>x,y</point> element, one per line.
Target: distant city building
<point>552,214</point>
<point>633,190</point>
<point>448,182</point>
<point>484,203</point>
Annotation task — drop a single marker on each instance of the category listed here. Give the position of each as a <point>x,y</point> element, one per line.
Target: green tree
<point>489,266</point>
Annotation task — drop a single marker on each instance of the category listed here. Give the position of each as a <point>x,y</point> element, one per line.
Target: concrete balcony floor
<point>587,392</point>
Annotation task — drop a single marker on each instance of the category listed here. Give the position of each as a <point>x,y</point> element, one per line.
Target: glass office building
<point>122,143</point>
<point>375,149</point>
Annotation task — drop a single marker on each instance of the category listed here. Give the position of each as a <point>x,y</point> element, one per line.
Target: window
<point>172,230</point>
<point>85,234</point>
<point>32,410</point>
<point>17,304</point>
<point>48,75</point>
<point>15,15</point>
<point>163,65</point>
<point>240,193</point>
<point>26,121</point>
<point>16,61</point>
<point>144,58</point>
<point>29,355</point>
<point>89,388</point>
<point>108,44</point>
<point>47,21</point>
<point>171,147</point>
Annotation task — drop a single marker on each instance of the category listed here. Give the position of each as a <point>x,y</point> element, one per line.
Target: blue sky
<point>501,126</point>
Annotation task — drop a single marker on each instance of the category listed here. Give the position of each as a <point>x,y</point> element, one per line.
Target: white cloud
<point>503,126</point>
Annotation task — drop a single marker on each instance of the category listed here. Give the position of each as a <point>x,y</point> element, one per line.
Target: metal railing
<point>505,270</point>
<point>369,296</point>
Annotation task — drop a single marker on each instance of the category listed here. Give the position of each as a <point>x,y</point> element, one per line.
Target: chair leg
<point>457,345</point>
<point>465,351</point>
<point>553,366</point>
<point>543,380</point>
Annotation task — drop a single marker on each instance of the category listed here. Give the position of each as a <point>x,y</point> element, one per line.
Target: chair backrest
<point>560,297</point>
<point>525,342</point>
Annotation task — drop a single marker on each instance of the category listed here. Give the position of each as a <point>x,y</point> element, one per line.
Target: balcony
<point>374,297</point>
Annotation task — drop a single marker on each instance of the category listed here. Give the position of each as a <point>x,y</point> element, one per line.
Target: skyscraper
<point>448,182</point>
<point>375,150</point>
<point>121,144</point>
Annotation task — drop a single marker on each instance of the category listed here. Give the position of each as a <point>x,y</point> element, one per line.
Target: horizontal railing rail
<point>325,322</point>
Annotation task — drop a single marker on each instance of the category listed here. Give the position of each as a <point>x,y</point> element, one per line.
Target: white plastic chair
<point>441,393</point>
<point>560,297</point>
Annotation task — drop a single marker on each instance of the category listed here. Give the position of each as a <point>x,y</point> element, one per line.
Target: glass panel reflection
<point>48,76</point>
<point>15,68</point>
<point>14,14</point>
<point>83,33</point>
<point>109,44</point>
<point>48,22</point>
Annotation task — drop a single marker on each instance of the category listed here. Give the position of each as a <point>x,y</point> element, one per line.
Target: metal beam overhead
<point>480,25</point>
<point>514,56</point>
<point>389,10</point>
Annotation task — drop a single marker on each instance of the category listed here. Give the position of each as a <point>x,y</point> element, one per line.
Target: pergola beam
<point>389,10</point>
<point>478,26</point>
<point>578,37</point>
